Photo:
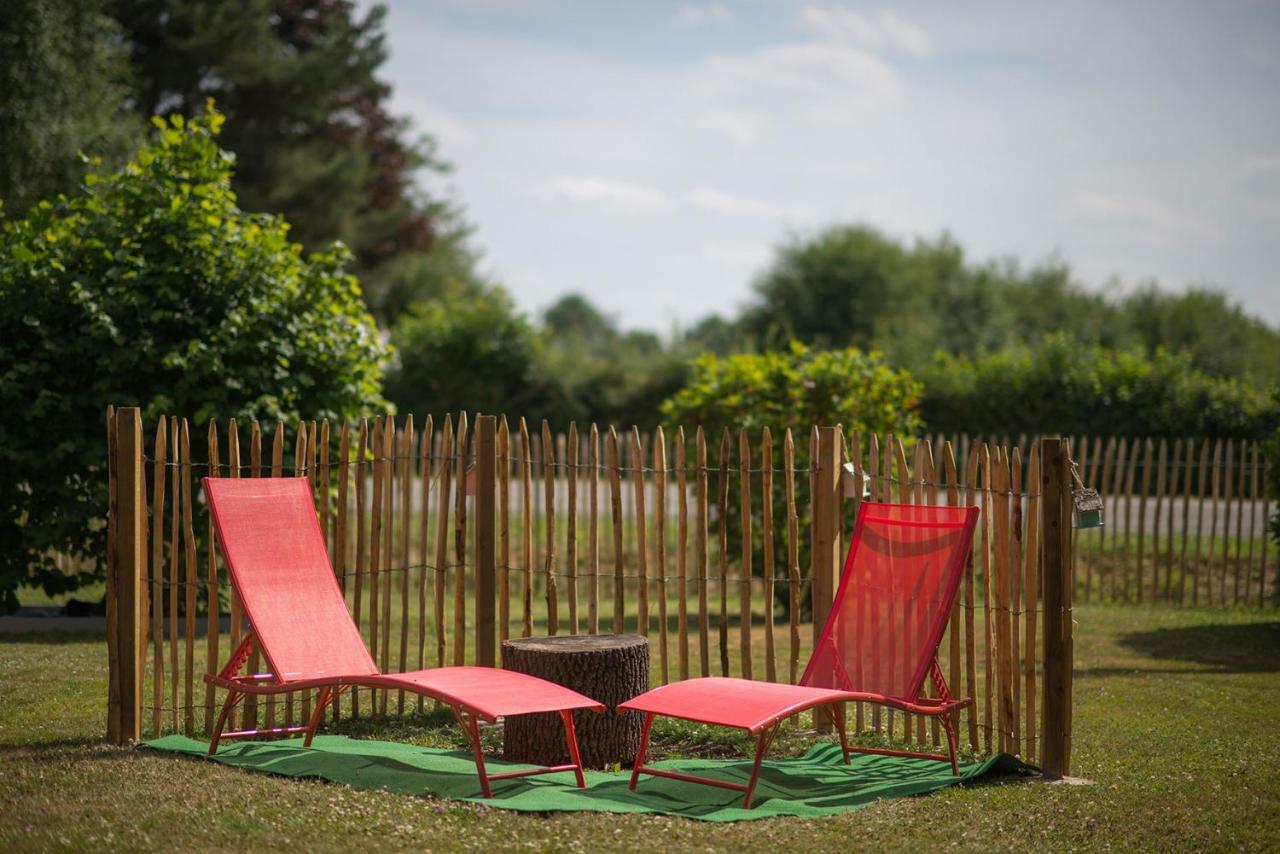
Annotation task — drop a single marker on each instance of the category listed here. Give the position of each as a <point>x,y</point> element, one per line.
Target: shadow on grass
<point>52,637</point>
<point>1248,648</point>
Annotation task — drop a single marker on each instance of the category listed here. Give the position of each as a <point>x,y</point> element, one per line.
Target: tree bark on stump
<point>608,668</point>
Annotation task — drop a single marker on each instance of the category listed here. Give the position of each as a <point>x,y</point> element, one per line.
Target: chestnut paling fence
<point>724,550</point>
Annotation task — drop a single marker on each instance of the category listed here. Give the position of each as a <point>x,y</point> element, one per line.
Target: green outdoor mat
<point>815,784</point>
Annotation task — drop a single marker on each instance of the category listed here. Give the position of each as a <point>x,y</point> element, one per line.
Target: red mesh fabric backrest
<point>899,585</point>
<point>276,558</point>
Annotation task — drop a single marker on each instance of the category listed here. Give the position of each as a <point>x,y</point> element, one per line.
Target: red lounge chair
<point>879,643</point>
<point>277,562</point>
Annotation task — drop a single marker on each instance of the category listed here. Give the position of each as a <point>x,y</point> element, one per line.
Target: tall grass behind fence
<point>717,548</point>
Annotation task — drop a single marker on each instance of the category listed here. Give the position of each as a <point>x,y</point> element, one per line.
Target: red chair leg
<point>326,694</point>
<point>762,744</point>
<point>571,739</point>
<point>841,721</point>
<point>950,727</point>
<point>471,726</point>
<point>233,697</point>
<point>644,748</point>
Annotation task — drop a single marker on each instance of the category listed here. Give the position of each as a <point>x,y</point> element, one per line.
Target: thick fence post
<point>824,553</point>
<point>1055,487</point>
<point>126,567</point>
<point>486,567</point>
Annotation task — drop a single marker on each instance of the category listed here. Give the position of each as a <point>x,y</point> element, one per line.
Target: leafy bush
<point>795,388</point>
<point>151,287</point>
<point>1061,386</point>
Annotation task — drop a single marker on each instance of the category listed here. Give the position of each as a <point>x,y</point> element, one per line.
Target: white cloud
<point>742,127</point>
<point>878,32</point>
<point>699,14</point>
<point>1157,222</point>
<point>603,191</point>
<point>828,72</point>
<point>734,205</point>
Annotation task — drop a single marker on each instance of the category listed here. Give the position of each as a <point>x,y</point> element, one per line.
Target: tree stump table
<point>608,668</point>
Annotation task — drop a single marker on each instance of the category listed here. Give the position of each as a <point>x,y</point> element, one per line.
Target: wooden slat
<point>175,488</point>
<point>405,464</point>
<point>855,505</point>
<point>191,588</point>
<point>1104,487</point>
<point>377,554</point>
<point>571,525</point>
<point>682,554</point>
<point>1240,494</point>
<point>424,553</point>
<point>766,544</point>
<point>928,477</point>
<point>593,532</point>
<point>612,464</point>
<point>526,531</point>
<point>158,481</point>
<point>1129,487</point>
<point>970,633</point>
<point>1188,480</point>
<point>360,566</point>
<point>115,699</point>
<point>1016,535</point>
<point>904,496</point>
<point>878,483</point>
<point>1175,475</point>
<point>642,552</point>
<point>793,554</point>
<point>444,478</point>
<point>989,692</point>
<point>1263,589</point>
<point>303,448</point>
<point>660,546</point>
<point>461,440</point>
<point>745,569</point>
<point>504,530</point>
<point>1000,562</point>
<point>700,551</point>
<point>1216,487</point>
<point>1255,494</point>
<point>549,556</point>
<point>1228,490</point>
<point>390,569</point>
<point>1203,490</point>
<point>1148,466</point>
<point>212,604</point>
<point>722,551</point>
<point>1031,595</point>
<point>955,629</point>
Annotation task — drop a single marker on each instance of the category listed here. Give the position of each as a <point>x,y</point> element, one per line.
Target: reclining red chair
<point>879,643</point>
<point>277,562</point>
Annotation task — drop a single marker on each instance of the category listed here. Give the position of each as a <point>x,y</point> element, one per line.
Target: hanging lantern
<point>1086,501</point>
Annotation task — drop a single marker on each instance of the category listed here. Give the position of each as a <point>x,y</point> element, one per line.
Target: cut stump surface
<point>609,668</point>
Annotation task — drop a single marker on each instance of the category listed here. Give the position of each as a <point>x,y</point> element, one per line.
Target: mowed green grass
<point>1176,715</point>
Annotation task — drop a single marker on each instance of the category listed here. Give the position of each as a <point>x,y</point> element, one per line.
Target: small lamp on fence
<point>1087,503</point>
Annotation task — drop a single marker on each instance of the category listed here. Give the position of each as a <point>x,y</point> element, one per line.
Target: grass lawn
<point>1176,715</point>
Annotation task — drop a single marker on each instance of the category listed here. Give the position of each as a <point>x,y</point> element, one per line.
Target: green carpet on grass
<point>815,784</point>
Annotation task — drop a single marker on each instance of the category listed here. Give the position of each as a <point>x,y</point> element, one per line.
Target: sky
<point>652,155</point>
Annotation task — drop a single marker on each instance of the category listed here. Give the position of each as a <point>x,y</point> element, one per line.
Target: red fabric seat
<point>878,645</point>
<point>276,559</point>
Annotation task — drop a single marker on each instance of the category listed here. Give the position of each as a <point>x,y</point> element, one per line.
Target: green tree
<point>308,120</point>
<point>152,287</point>
<point>470,352</point>
<point>63,90</point>
<point>1062,386</point>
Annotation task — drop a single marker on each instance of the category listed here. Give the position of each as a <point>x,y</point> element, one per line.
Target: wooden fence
<point>724,550</point>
